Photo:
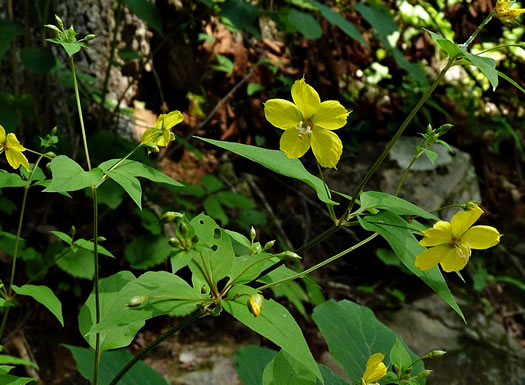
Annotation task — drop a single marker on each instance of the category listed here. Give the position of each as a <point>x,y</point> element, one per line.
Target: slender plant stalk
<point>17,242</point>
<point>407,170</point>
<point>320,264</point>
<point>95,226</point>
<point>397,135</point>
<point>105,177</point>
<point>188,321</point>
<point>118,17</point>
<point>328,205</point>
<point>79,107</point>
<point>478,30</point>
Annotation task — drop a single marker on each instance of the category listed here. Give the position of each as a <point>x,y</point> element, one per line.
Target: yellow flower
<point>375,369</point>
<point>161,134</point>
<point>451,243</point>
<point>13,150</point>
<point>307,123</point>
<point>505,13</point>
<point>255,304</point>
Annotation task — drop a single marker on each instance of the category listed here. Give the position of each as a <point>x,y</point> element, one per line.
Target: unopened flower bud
<point>54,130</point>
<point>184,229</point>
<point>90,37</point>
<point>268,245</point>
<point>291,255</point>
<point>444,128</point>
<point>137,301</point>
<point>73,230</point>
<point>169,216</point>
<point>175,242</point>
<point>59,22</point>
<point>253,234</point>
<point>100,238</point>
<point>50,154</point>
<point>437,353</point>
<point>54,28</point>
<point>424,373</point>
<point>255,304</point>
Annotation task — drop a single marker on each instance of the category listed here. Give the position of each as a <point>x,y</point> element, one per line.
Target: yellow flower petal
<point>282,113</point>
<point>327,147</point>
<point>510,13</point>
<point>481,237</point>
<point>13,143</point>
<point>331,115</point>
<point>2,134</point>
<point>306,98</point>
<point>152,135</point>
<point>15,158</point>
<point>501,5</point>
<point>375,368</point>
<point>456,258</point>
<point>462,220</point>
<point>439,234</point>
<point>293,144</point>
<point>167,121</point>
<point>431,257</point>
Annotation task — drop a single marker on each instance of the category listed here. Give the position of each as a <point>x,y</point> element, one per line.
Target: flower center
<point>304,127</point>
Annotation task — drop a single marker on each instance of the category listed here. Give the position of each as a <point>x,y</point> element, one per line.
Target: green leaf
<point>250,362</point>
<point>214,209</point>
<point>234,200</point>
<point>78,262</point>
<point>37,59</point>
<point>485,65</point>
<point>148,12</point>
<point>9,179</point>
<point>70,48</point>
<point>431,155</point>
<point>154,284</point>
<point>128,171</point>
<point>399,236</point>
<point>285,370</point>
<point>69,176</point>
<point>242,14</point>
<point>43,295</point>
<point>90,246</point>
<point>110,365</point>
<point>353,334</point>
<point>305,24</point>
<point>276,161</point>
<point>128,54</point>
<point>399,206</point>
<point>110,194</point>
<point>218,254</point>
<point>274,323</point>
<point>338,20</point>
<point>451,48</point>
<point>6,379</point>
<point>63,236</point>
<point>211,183</point>
<point>147,251</point>
<point>109,289</point>
<point>225,64</point>
<point>247,267</point>
<point>379,19</point>
<point>330,378</point>
<point>5,359</point>
<point>8,30</point>
<point>399,355</point>
<point>253,88</point>
<point>511,81</point>
<point>239,238</point>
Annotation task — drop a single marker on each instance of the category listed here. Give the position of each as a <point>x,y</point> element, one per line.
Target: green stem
<point>232,281</point>
<point>397,135</point>
<point>478,30</point>
<point>328,205</point>
<point>321,237</point>
<point>105,177</point>
<point>95,283</point>
<point>118,17</point>
<point>321,264</point>
<point>407,170</point>
<point>188,321</point>
<point>79,107</point>
<point>17,243</point>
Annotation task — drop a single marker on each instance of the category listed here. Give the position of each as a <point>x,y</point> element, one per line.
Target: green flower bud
<point>169,216</point>
<point>54,28</point>
<point>442,130</point>
<point>54,130</point>
<point>137,301</point>
<point>255,304</point>
<point>175,242</point>
<point>89,37</point>
<point>424,373</point>
<point>100,238</point>
<point>72,231</point>
<point>59,22</point>
<point>253,234</point>
<point>268,245</point>
<point>290,255</point>
<point>184,229</point>
<point>50,154</point>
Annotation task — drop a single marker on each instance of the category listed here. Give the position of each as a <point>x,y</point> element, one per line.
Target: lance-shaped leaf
<point>276,161</point>
<point>43,295</point>
<point>399,206</point>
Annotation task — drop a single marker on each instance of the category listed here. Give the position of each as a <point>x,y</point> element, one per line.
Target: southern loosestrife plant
<point>231,272</point>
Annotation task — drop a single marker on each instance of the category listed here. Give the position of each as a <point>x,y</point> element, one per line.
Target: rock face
<point>479,352</point>
<point>451,179</point>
